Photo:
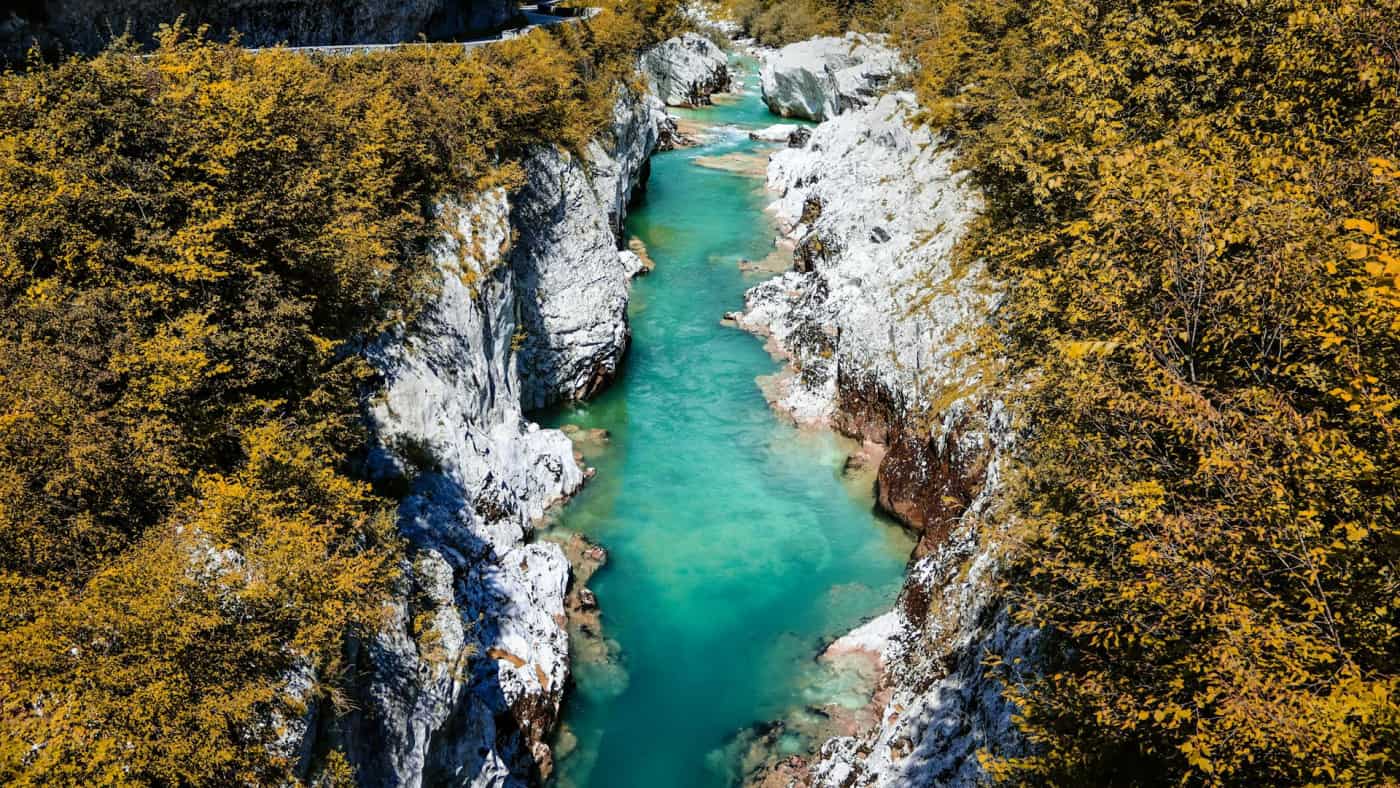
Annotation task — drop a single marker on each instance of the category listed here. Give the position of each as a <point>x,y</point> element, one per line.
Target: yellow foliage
<point>1196,204</point>
<point>193,243</point>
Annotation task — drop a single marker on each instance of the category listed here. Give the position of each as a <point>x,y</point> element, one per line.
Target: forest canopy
<point>193,244</point>
<point>1195,211</point>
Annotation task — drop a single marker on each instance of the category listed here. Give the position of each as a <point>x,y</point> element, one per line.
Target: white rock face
<point>860,202</point>
<point>778,132</point>
<point>820,78</point>
<point>464,684</point>
<point>573,311</point>
<point>875,318</point>
<point>684,71</point>
<point>618,161</point>
<point>943,708</point>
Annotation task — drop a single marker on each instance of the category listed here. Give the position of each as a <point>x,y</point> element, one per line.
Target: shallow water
<point>736,547</point>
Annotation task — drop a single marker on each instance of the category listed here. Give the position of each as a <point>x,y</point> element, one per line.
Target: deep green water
<point>736,548</point>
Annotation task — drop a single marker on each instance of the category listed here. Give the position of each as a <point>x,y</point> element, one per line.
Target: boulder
<point>686,70</point>
<point>778,132</point>
<point>822,77</point>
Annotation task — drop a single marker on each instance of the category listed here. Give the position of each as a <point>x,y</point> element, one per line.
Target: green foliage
<point>1194,207</point>
<point>193,243</point>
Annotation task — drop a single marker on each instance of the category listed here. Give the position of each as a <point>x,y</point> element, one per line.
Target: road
<point>533,19</point>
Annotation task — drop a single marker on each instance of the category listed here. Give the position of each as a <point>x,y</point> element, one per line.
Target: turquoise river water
<point>736,548</point>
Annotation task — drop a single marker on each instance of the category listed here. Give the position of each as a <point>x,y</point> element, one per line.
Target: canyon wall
<point>464,683</point>
<point>684,71</point>
<point>568,217</point>
<point>88,25</point>
<point>879,323</point>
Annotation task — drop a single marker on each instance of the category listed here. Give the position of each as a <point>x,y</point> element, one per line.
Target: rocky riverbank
<point>820,78</point>
<point>464,684</point>
<point>879,325</point>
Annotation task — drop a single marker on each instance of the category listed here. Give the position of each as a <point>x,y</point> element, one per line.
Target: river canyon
<point>736,548</point>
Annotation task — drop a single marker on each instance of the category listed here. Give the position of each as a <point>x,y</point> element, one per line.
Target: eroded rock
<point>878,323</point>
<point>568,217</point>
<point>820,78</point>
<point>686,70</point>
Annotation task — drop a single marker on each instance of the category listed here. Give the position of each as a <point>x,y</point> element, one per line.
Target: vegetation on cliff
<point>193,244</point>
<point>1195,209</point>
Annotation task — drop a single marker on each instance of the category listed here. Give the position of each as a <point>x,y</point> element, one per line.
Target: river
<point>737,547</point>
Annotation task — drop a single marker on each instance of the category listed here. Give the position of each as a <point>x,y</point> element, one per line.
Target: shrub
<point>193,244</point>
<point>1194,207</point>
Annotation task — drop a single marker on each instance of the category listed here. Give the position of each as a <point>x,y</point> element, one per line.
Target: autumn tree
<point>1193,207</point>
<point>194,245</point>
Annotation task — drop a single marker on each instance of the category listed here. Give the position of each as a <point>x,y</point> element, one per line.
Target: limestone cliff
<point>463,685</point>
<point>686,70</point>
<point>879,323</point>
<point>574,278</point>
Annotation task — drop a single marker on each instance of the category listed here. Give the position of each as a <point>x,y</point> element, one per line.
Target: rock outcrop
<point>778,132</point>
<point>873,209</point>
<point>686,70</point>
<point>463,685</point>
<point>820,78</point>
<point>878,321</point>
<point>573,328</point>
<point>88,25</point>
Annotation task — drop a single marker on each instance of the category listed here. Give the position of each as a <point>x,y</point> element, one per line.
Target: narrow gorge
<point>723,615</point>
<point>729,537</point>
<point>717,394</point>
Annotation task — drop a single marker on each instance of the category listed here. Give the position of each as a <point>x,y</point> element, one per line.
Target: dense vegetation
<point>192,246</point>
<point>1195,209</point>
<point>775,23</point>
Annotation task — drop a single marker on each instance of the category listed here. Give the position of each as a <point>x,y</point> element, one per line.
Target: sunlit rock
<point>820,78</point>
<point>686,70</point>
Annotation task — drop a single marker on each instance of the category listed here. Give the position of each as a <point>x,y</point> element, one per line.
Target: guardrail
<point>533,20</point>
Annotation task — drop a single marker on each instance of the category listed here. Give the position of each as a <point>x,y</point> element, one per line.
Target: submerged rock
<point>686,70</point>
<point>820,78</point>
